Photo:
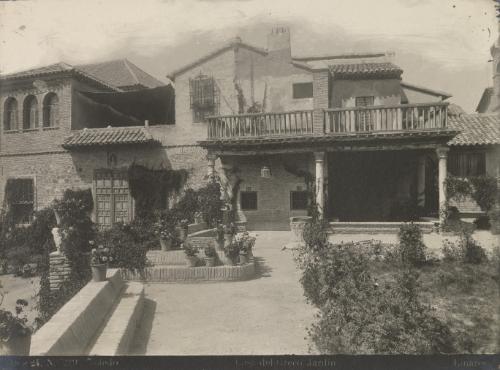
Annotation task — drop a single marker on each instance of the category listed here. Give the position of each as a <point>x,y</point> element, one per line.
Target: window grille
<point>21,199</point>
<point>204,97</point>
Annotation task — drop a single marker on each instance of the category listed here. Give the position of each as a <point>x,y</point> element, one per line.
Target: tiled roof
<point>410,86</point>
<point>475,129</point>
<point>455,110</point>
<point>365,69</point>
<point>54,69</point>
<point>109,136</point>
<point>120,73</point>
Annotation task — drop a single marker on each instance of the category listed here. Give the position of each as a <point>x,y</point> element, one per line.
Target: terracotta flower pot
<point>18,346</point>
<point>166,244</point>
<point>210,261</point>
<point>98,272</point>
<point>243,258</point>
<point>191,261</point>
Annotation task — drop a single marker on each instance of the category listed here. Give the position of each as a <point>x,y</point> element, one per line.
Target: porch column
<point>421,181</point>
<point>320,181</point>
<point>211,165</point>
<point>442,154</point>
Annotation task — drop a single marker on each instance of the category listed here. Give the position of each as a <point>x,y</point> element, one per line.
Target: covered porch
<point>388,178</point>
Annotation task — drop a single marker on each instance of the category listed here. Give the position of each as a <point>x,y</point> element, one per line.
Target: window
<point>204,97</point>
<point>51,110</point>
<point>302,90</point>
<point>364,121</point>
<point>298,200</point>
<point>248,200</point>
<point>10,114</point>
<point>30,113</point>
<point>113,201</point>
<point>467,164</point>
<point>20,197</point>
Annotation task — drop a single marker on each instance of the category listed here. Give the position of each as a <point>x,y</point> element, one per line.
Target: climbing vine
<point>483,189</point>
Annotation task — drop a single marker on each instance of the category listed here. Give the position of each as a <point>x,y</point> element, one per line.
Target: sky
<point>440,44</point>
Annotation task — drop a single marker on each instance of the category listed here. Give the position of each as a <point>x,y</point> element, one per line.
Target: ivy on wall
<point>151,187</point>
<point>483,189</point>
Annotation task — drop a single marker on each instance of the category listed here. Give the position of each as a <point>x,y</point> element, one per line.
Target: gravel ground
<point>266,315</point>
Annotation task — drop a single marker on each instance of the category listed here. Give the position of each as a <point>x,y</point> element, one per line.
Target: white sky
<point>442,44</point>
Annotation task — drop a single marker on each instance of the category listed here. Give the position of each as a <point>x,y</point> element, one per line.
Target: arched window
<point>10,114</point>
<point>50,110</point>
<point>30,113</point>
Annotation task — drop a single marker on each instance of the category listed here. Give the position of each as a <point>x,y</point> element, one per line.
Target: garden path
<point>265,315</point>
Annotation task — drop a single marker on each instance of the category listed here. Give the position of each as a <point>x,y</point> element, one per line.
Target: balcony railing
<point>294,123</point>
<point>407,117</point>
<point>386,118</point>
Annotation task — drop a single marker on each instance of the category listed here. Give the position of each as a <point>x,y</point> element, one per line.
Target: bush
<point>494,216</point>
<point>187,206</point>
<point>315,233</point>
<point>210,203</point>
<point>452,251</point>
<point>361,318</point>
<point>464,250</point>
<point>482,222</point>
<point>18,257</point>
<point>484,191</point>
<point>126,242</point>
<point>411,245</point>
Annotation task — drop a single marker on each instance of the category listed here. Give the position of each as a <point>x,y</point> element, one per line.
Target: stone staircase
<point>101,319</point>
<point>376,227</point>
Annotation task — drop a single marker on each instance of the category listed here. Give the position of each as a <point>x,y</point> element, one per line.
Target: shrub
<point>129,251</point>
<point>18,257</point>
<point>187,206</point>
<point>210,251</point>
<point>411,245</point>
<point>190,250</point>
<point>494,216</point>
<point>482,222</point>
<point>315,233</point>
<point>484,191</point>
<point>210,203</point>
<point>474,253</point>
<point>14,325</point>
<point>361,318</point>
<point>452,251</point>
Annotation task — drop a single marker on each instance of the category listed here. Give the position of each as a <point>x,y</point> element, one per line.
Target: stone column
<point>211,165</point>
<point>442,154</point>
<point>320,181</point>
<point>421,181</point>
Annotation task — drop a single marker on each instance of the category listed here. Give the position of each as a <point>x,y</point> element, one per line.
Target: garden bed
<point>173,273</point>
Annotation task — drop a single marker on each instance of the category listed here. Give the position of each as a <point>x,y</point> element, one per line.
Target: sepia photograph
<point>249,179</point>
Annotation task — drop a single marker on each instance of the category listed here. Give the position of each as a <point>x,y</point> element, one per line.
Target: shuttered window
<point>20,196</point>
<point>467,164</point>
<point>248,200</point>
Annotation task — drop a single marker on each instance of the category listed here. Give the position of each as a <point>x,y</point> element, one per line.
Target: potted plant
<point>219,238</point>
<point>210,256</point>
<point>164,229</point>
<point>246,243</point>
<point>198,217</point>
<point>229,231</point>
<point>232,251</point>
<point>191,254</point>
<point>15,333</point>
<point>99,259</point>
<point>183,231</point>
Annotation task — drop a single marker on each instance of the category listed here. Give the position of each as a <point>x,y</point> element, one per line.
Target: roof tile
<point>350,69</point>
<point>109,136</point>
<point>475,129</point>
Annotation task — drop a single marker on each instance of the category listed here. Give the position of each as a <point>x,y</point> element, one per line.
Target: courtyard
<point>265,315</point>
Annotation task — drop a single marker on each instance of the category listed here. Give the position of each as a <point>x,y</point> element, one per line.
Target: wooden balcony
<point>406,117</point>
<point>296,123</point>
<point>336,121</point>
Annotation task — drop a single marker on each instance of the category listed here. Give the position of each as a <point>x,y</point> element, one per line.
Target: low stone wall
<point>71,330</point>
<point>59,270</point>
<point>175,257</point>
<point>186,274</point>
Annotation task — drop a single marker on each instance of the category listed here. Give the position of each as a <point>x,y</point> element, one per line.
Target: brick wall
<point>273,194</point>
<point>320,95</point>
<point>39,139</point>
<point>55,172</point>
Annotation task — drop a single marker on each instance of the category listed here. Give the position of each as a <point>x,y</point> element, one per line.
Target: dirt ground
<point>266,315</point>
<point>14,288</point>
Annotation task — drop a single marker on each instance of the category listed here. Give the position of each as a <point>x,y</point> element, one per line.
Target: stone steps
<point>375,227</point>
<point>118,332</point>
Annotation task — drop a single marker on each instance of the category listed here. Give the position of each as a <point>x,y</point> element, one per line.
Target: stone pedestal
<point>320,181</point>
<point>442,154</point>
<point>59,270</point>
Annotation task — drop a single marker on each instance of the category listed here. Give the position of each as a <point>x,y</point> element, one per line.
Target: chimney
<point>278,43</point>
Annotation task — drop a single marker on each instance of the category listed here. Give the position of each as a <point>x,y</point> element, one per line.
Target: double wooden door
<point>113,201</point>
